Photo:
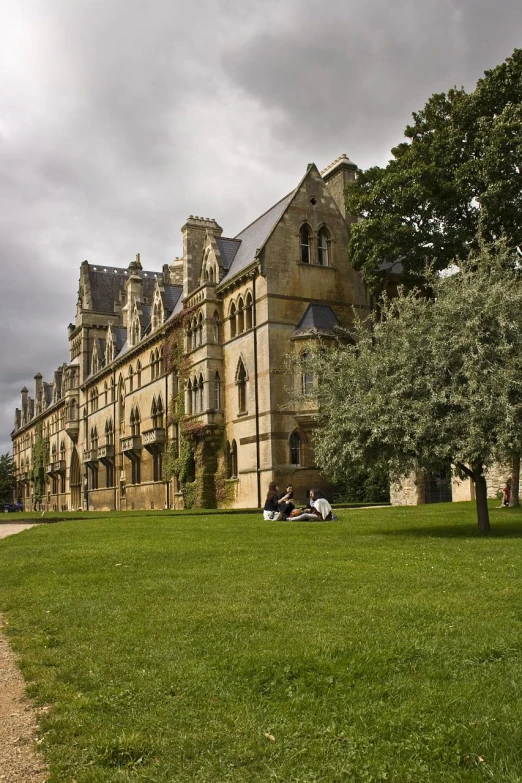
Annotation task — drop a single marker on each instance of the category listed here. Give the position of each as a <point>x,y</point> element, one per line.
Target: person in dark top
<point>288,505</point>
<point>274,502</point>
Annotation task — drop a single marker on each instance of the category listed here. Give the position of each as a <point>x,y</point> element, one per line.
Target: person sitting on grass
<point>318,508</point>
<point>274,502</point>
<point>288,506</point>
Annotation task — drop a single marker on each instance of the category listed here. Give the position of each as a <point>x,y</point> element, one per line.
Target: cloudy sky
<point>119,118</point>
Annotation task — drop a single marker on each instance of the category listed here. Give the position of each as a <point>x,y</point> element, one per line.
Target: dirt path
<point>20,761</point>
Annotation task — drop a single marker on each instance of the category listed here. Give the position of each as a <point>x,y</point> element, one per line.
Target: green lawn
<point>382,647</point>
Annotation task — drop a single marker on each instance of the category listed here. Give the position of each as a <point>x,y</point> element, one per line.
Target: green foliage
<point>362,486</point>
<point>168,650</point>
<point>39,462</point>
<point>456,181</point>
<point>435,381</point>
<point>6,478</point>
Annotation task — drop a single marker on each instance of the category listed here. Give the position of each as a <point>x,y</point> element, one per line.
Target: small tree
<point>435,381</point>
<point>6,478</point>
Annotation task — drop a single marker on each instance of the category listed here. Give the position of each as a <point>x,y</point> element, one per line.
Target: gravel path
<point>20,761</point>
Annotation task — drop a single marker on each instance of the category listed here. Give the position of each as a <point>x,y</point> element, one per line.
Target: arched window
<point>307,377</point>
<point>195,396</point>
<point>215,324</point>
<point>94,438</point>
<point>233,460</point>
<point>121,404</point>
<point>53,453</point>
<point>159,413</point>
<point>194,333</point>
<point>113,390</point>
<point>240,316</point>
<point>232,319</point>
<point>135,421</point>
<point>106,392</point>
<point>248,311</point>
<point>201,404</point>
<point>138,374</point>
<point>304,239</point>
<point>109,433</point>
<point>200,329</point>
<point>62,450</point>
<point>211,274</point>
<point>131,379</point>
<point>241,381</point>
<point>189,398</point>
<point>295,449</point>
<point>156,413</point>
<point>217,392</point>
<point>73,410</point>
<point>322,247</point>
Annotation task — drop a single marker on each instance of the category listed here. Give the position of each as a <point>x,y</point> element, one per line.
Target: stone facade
<point>125,405</point>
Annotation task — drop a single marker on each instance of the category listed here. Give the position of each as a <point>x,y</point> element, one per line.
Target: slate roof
<point>106,283</point>
<point>227,249</point>
<point>317,319</point>
<point>171,297</point>
<point>255,235</point>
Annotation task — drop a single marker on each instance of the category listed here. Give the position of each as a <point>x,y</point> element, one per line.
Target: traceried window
<point>322,247</point>
<point>295,449</point>
<point>305,242</point>
<point>94,438</point>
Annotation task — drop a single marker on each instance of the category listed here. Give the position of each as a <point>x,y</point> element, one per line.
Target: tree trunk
<point>481,497</point>
<point>514,495</point>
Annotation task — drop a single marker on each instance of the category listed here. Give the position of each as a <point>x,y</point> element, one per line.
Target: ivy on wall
<point>180,458</point>
<point>197,458</point>
<point>39,461</point>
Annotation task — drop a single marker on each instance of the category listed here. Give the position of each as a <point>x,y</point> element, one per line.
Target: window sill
<point>241,414</point>
<point>315,266</point>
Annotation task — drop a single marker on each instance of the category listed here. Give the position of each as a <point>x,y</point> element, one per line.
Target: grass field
<point>386,646</point>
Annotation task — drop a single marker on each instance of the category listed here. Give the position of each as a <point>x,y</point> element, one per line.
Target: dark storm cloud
<point>353,76</point>
<point>119,119</point>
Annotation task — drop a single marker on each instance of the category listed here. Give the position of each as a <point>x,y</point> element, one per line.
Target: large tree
<point>455,182</point>
<point>436,380</point>
<point>6,478</point>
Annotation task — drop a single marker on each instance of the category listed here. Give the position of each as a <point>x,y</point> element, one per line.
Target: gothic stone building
<point>127,401</point>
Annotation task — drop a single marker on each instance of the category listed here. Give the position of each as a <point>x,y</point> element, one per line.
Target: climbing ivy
<point>39,461</point>
<point>180,458</point>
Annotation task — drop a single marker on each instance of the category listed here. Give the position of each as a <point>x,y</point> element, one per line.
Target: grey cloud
<point>121,118</point>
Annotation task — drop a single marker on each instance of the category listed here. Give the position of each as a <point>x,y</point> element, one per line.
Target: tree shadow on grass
<point>502,530</point>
